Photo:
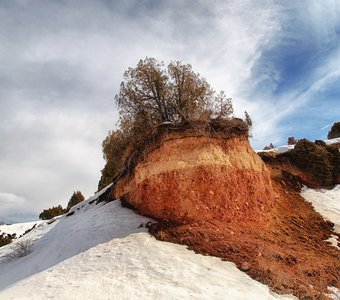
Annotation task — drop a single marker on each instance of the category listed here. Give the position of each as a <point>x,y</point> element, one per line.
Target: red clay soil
<point>192,179</point>
<point>170,195</point>
<point>288,252</point>
<point>219,198</point>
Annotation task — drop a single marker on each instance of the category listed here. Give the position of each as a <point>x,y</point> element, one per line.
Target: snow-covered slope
<point>281,149</point>
<point>102,252</point>
<point>286,148</point>
<point>326,202</point>
<point>19,228</point>
<point>332,141</point>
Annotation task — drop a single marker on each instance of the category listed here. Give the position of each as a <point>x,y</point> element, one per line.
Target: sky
<point>62,63</point>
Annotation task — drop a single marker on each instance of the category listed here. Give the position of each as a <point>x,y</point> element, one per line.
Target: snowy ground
<point>101,252</point>
<point>286,148</point>
<point>18,228</point>
<point>327,203</point>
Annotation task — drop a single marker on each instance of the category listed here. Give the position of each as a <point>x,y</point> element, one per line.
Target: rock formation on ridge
<point>207,189</point>
<point>195,177</point>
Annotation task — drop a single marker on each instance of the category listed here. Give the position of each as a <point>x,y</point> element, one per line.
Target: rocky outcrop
<point>196,178</point>
<point>211,192</point>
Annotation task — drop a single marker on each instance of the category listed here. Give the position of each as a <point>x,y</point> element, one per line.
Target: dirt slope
<point>288,253</point>
<point>219,198</point>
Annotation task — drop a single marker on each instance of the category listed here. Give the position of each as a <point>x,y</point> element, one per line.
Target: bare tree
<point>151,94</point>
<point>20,248</point>
<point>143,92</point>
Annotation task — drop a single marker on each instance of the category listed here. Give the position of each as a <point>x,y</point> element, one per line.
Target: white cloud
<point>10,202</point>
<point>70,64</point>
<point>306,26</point>
<point>62,63</point>
<point>55,152</point>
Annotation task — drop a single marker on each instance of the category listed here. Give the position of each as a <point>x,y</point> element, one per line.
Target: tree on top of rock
<point>152,94</point>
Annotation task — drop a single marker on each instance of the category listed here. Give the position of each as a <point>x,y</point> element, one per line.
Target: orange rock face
<point>219,198</point>
<point>189,179</point>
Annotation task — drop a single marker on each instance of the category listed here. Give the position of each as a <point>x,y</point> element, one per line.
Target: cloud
<point>328,126</point>
<point>62,63</point>
<point>10,202</point>
<point>50,154</point>
<point>293,80</point>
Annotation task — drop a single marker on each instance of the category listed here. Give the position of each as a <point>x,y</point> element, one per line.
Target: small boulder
<point>245,266</point>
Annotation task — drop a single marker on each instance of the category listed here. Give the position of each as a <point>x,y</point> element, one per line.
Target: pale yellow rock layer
<point>192,152</point>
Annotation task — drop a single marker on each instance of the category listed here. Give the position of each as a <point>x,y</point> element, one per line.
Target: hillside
<point>214,194</point>
<point>103,252</point>
<point>208,192</point>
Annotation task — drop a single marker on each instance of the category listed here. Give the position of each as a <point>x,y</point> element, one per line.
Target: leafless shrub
<point>20,248</point>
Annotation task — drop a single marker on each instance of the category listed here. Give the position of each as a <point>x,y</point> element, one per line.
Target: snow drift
<point>103,252</point>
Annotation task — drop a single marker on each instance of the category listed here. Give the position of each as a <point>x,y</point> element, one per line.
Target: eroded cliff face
<point>215,195</point>
<point>189,179</point>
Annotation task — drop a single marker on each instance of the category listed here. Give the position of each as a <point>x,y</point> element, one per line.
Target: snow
<point>102,252</point>
<point>84,205</point>
<point>286,148</point>
<point>334,293</point>
<point>280,149</point>
<point>333,240</point>
<point>332,141</point>
<point>19,228</point>
<point>326,202</point>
